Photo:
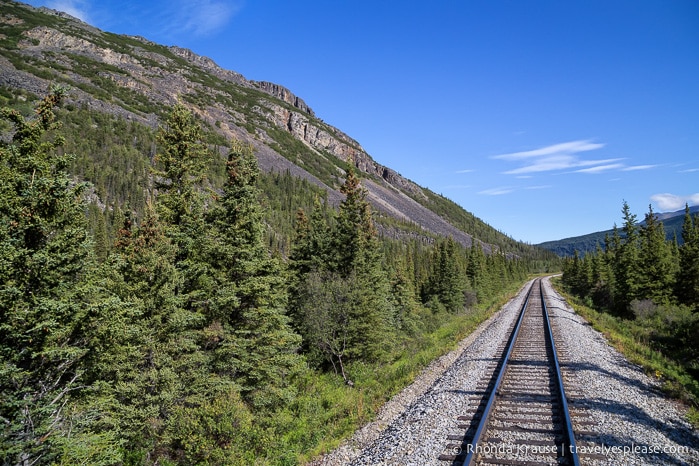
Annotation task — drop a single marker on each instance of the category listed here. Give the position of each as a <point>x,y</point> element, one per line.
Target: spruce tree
<point>312,241</point>
<point>159,366</point>
<point>404,298</point>
<point>355,234</point>
<point>256,346</point>
<point>342,267</point>
<point>359,259</point>
<point>144,334</point>
<point>180,201</point>
<point>626,270</point>
<point>300,256</point>
<point>446,282</point>
<point>656,262</point>
<point>476,271</point>
<point>180,167</point>
<point>688,274</point>
<point>45,254</point>
<point>310,253</point>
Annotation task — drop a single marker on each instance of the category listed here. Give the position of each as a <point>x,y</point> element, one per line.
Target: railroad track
<point>520,414</point>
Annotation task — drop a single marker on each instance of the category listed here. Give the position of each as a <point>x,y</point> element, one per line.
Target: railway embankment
<point>620,414</point>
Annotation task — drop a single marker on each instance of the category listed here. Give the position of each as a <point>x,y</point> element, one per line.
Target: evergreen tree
<point>446,282</point>
<point>358,256</point>
<point>571,272</point>
<point>475,270</point>
<point>655,261</point>
<point>348,260</point>
<point>45,255</point>
<point>355,236</point>
<point>688,274</point>
<point>256,345</point>
<point>310,253</point>
<point>312,242</point>
<point>626,269</point>
<point>404,299</point>
<point>145,334</point>
<point>300,256</point>
<point>159,367</point>
<point>180,171</point>
<point>497,271</point>
<point>99,232</point>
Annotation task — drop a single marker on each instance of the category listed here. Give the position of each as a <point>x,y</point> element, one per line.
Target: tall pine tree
<point>342,266</point>
<point>626,272</point>
<point>359,260</point>
<point>447,282</point>
<point>256,346</point>
<point>44,259</point>
<point>157,363</point>
<point>688,275</point>
<point>657,266</point>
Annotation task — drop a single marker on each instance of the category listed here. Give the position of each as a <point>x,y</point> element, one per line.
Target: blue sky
<point>540,117</point>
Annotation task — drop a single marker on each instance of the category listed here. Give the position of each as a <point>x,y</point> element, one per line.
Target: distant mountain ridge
<point>139,80</point>
<point>672,223</point>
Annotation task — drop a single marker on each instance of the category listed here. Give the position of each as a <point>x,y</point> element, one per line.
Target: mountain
<point>138,81</point>
<point>672,223</point>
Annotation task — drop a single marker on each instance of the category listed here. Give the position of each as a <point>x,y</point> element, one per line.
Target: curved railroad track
<point>520,414</point>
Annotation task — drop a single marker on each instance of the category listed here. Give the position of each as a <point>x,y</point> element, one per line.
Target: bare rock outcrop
<point>284,94</point>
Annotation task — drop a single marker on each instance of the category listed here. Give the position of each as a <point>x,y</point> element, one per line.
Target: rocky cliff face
<point>328,139</point>
<point>282,93</point>
<point>141,77</point>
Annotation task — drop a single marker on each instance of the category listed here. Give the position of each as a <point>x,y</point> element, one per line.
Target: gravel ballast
<point>633,422</point>
<point>627,420</point>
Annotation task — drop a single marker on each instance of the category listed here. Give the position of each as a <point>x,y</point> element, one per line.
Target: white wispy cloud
<point>502,190</point>
<point>638,167</point>
<point>689,170</point>
<point>672,202</point>
<point>468,170</point>
<point>77,8</point>
<point>559,157</point>
<point>204,17</point>
<point>192,17</point>
<point>601,168</point>
<point>497,191</point>
<point>572,147</point>
<point>544,164</point>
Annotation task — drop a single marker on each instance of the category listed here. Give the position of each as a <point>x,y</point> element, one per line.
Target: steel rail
<point>471,454</point>
<point>569,434</point>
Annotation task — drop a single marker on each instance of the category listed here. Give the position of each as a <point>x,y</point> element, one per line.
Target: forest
<point>648,286</point>
<point>186,323</point>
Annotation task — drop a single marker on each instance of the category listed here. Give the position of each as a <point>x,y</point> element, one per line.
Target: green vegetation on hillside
<point>148,317</point>
<point>162,301</point>
<point>634,339</point>
<point>589,243</point>
<point>130,80</point>
<point>649,288</point>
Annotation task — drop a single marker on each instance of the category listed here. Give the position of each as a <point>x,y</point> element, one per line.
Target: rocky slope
<point>139,80</point>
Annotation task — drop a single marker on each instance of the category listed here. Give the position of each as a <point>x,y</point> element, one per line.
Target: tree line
<point>641,276</point>
<point>186,337</point>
